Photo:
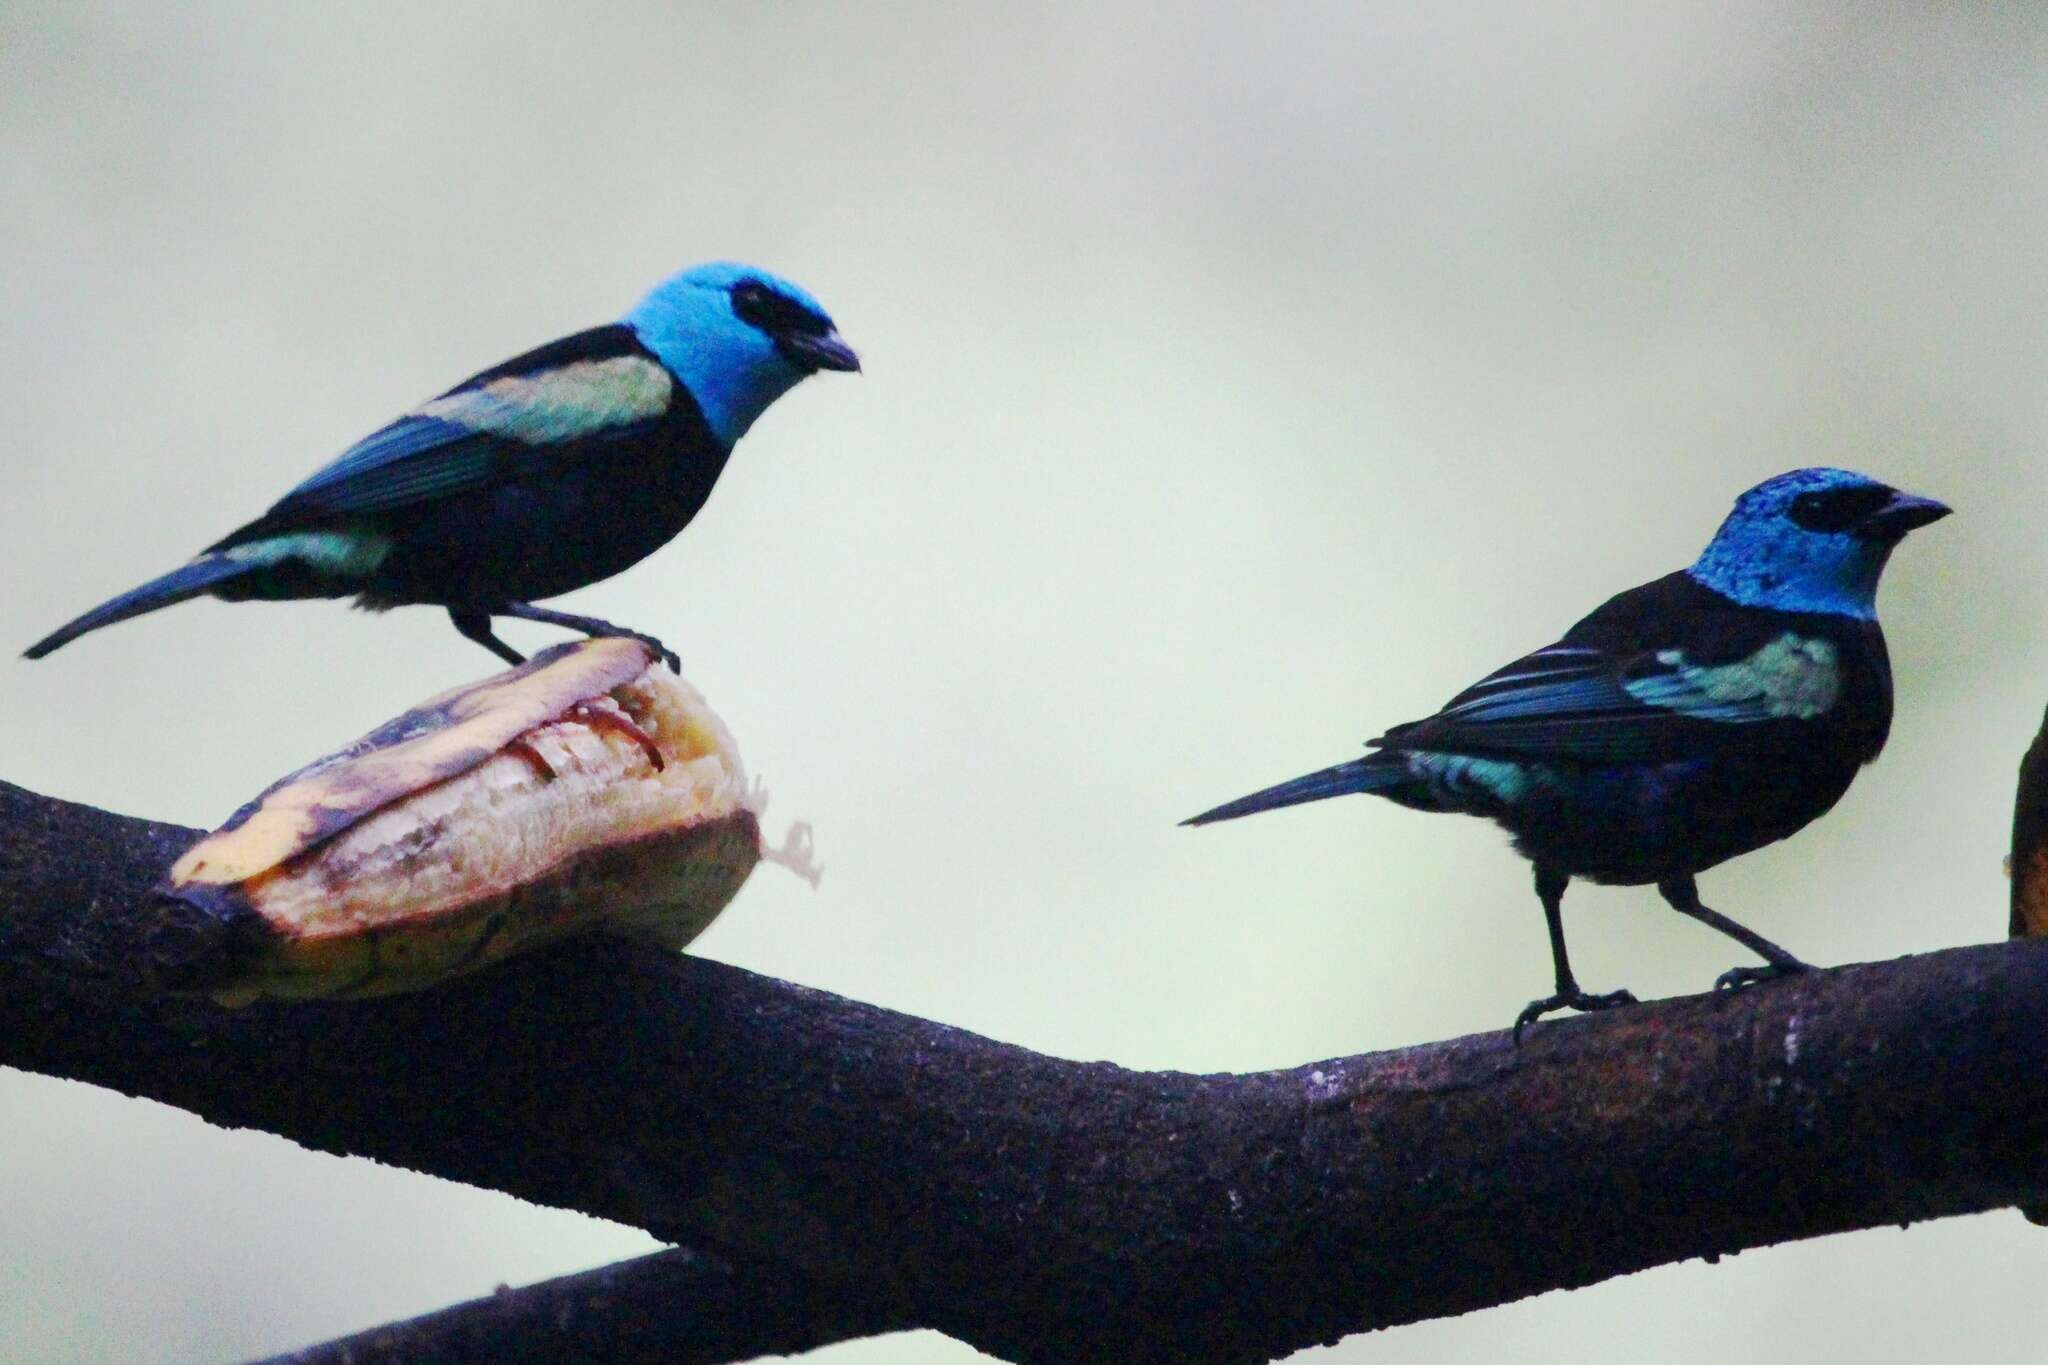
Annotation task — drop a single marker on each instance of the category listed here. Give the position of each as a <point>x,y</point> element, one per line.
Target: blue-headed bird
<point>556,469</point>
<point>1685,722</point>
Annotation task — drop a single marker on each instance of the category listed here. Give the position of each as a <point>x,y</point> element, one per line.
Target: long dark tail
<point>200,576</point>
<point>1375,772</point>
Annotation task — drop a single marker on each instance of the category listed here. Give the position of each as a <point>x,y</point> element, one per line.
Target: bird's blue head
<point>1812,540</point>
<point>738,338</point>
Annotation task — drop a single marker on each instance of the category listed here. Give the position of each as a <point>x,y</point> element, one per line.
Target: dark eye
<point>755,304</point>
<point>1835,510</point>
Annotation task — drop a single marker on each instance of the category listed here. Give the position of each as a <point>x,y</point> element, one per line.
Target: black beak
<point>818,352</point>
<point>1902,514</point>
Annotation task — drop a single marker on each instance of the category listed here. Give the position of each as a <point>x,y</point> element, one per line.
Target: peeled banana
<point>587,790</point>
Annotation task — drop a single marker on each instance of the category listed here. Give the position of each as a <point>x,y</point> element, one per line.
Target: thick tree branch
<point>1052,1210</point>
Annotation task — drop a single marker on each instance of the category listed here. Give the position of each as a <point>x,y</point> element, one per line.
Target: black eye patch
<point>1838,509</point>
<point>755,304</point>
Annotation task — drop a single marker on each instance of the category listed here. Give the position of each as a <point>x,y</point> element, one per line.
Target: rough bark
<point>1050,1210</point>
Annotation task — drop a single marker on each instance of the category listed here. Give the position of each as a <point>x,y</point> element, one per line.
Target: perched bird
<point>553,470</point>
<point>1692,719</point>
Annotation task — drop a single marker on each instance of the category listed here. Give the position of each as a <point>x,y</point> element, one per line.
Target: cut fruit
<point>588,790</point>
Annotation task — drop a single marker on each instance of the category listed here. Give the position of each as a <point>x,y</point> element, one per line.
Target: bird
<point>550,471</point>
<point>1684,722</point>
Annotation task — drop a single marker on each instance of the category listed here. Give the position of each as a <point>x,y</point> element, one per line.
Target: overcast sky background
<point>1239,383</point>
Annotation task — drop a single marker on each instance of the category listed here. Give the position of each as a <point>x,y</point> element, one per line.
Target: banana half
<point>588,790</point>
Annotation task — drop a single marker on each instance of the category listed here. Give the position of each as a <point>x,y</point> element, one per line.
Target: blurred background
<point>1240,382</point>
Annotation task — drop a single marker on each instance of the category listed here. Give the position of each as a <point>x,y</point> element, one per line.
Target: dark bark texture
<point>1049,1210</point>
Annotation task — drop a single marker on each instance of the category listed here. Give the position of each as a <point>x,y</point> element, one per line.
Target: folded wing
<point>568,400</point>
<point>1575,703</point>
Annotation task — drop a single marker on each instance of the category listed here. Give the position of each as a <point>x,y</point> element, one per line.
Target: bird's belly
<point>1642,823</point>
<point>529,539</point>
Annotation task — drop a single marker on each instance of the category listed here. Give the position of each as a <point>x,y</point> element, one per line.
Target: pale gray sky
<point>1240,381</point>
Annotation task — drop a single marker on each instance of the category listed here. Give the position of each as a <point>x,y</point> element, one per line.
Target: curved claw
<point>661,651</point>
<point>1568,1000</point>
<point>1736,977</point>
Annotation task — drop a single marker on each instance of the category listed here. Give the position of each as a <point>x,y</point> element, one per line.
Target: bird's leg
<point>1550,885</point>
<point>593,627</point>
<point>476,625</point>
<point>1684,897</point>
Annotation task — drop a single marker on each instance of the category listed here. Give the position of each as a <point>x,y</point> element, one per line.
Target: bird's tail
<point>1374,772</point>
<point>200,576</point>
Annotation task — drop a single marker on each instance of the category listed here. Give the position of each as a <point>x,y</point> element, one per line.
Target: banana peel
<point>587,790</point>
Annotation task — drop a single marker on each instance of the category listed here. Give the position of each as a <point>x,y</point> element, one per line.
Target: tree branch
<point>1059,1211</point>
<point>674,1307</point>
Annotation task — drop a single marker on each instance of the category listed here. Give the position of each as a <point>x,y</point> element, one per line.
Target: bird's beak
<point>1903,513</point>
<point>827,352</point>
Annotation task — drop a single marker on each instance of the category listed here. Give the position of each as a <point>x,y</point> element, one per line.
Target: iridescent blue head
<point>1812,540</point>
<point>738,338</point>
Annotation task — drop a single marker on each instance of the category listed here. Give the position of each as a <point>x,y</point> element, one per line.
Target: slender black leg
<point>1550,885</point>
<point>476,625</point>
<point>1684,897</point>
<point>591,626</point>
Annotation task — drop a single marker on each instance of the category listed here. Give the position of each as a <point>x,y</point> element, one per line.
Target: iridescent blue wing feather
<point>568,399</point>
<point>1584,703</point>
<point>413,459</point>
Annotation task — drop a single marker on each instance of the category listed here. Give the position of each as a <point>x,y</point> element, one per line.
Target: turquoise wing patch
<point>567,403</point>
<point>458,441</point>
<point>1581,705</point>
<point>1791,678</point>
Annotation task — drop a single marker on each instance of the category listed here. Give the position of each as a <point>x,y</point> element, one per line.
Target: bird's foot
<point>593,627</point>
<point>1573,999</point>
<point>1736,977</point>
<point>661,651</point>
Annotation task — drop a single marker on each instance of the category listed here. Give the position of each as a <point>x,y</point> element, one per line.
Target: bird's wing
<point>543,405</point>
<point>1579,703</point>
